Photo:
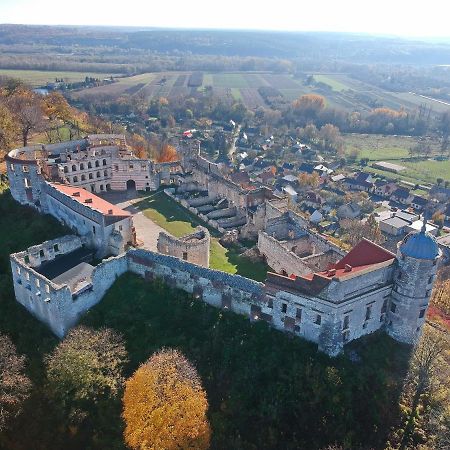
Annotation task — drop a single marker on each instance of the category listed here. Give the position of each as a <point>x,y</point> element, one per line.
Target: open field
<point>41,77</point>
<point>177,221</point>
<point>377,147</point>
<point>429,170</point>
<point>333,82</point>
<point>242,86</point>
<point>396,150</point>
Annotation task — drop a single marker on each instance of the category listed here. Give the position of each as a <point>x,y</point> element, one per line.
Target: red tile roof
<point>90,200</point>
<point>364,256</point>
<point>365,253</point>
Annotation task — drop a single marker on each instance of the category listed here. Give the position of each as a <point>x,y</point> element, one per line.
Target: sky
<point>411,18</point>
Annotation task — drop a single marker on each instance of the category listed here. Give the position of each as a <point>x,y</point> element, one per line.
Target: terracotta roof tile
<point>90,200</point>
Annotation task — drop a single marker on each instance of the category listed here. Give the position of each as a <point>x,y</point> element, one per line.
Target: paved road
<point>147,231</point>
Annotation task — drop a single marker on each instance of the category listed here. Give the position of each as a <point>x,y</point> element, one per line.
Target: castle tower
<point>24,175</point>
<point>417,256</point>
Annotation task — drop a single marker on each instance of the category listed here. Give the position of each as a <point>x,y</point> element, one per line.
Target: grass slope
<point>265,390</point>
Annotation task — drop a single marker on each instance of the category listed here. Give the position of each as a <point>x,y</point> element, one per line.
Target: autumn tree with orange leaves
<point>164,405</point>
<point>309,105</point>
<point>167,153</point>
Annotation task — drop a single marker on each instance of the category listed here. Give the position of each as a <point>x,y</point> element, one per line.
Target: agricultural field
<point>342,91</point>
<point>331,81</point>
<point>41,77</point>
<point>241,86</point>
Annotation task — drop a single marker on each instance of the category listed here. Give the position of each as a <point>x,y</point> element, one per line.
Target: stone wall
<point>193,247</point>
<point>216,288</point>
<point>54,304</point>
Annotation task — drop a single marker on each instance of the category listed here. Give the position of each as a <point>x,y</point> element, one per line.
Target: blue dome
<point>420,246</point>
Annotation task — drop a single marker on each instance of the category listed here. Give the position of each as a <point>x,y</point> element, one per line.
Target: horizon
<point>400,19</point>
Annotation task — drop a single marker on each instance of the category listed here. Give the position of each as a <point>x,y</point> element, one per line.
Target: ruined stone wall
<point>216,288</point>
<point>193,247</point>
<point>321,261</point>
<point>330,326</point>
<point>49,250</point>
<point>24,175</point>
<point>138,173</point>
<point>90,169</point>
<point>280,259</point>
<point>54,304</point>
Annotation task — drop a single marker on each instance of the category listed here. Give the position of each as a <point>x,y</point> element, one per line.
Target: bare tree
<point>27,109</point>
<point>423,378</point>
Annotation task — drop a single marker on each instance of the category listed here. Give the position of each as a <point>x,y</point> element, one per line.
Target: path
<point>147,231</point>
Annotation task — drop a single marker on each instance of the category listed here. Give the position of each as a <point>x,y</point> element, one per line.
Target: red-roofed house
<point>351,295</point>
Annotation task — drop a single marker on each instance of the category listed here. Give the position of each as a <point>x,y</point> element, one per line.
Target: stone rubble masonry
<point>192,247</point>
<point>55,305</point>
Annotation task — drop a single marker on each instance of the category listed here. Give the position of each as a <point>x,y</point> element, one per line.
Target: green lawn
<point>42,77</point>
<point>428,170</point>
<point>396,149</point>
<point>236,93</point>
<point>169,215</point>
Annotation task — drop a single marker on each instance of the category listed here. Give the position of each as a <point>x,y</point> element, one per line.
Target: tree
<point>26,106</point>
<point>439,219</point>
<point>164,405</point>
<point>15,386</point>
<point>331,139</point>
<point>355,230</point>
<point>8,128</point>
<point>308,105</point>
<point>85,368</point>
<point>59,112</point>
<point>167,153</point>
<point>428,374</point>
<point>309,181</point>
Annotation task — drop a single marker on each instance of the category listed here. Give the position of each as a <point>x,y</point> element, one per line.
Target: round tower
<point>24,175</point>
<point>417,256</point>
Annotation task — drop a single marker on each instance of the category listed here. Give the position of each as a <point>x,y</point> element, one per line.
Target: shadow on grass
<point>265,389</point>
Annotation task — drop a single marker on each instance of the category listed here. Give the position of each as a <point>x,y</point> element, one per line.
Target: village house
<point>402,196</point>
<point>361,182</point>
<point>349,211</point>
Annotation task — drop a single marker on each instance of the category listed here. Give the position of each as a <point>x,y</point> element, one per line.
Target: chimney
<point>110,211</point>
<point>331,272</point>
<point>348,268</point>
<point>88,200</point>
<point>76,194</point>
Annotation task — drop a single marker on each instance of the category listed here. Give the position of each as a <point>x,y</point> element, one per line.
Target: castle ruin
<point>320,292</point>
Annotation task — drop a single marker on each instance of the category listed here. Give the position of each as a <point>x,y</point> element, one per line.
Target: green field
<point>41,78</point>
<point>377,147</point>
<point>169,215</point>
<point>396,149</point>
<point>428,170</point>
<point>335,84</point>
